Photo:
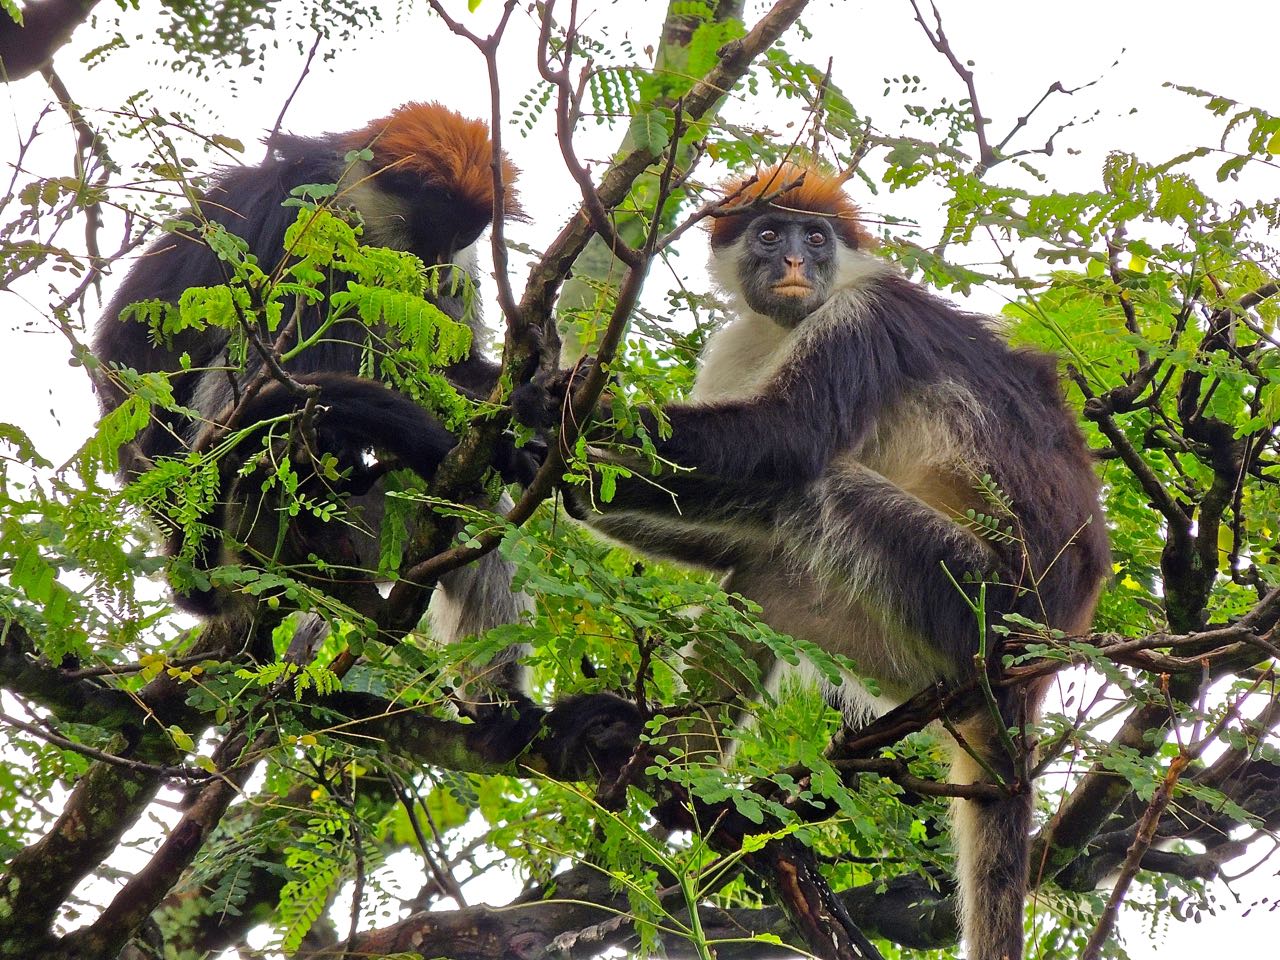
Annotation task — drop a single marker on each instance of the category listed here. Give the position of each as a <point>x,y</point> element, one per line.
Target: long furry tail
<point>992,840</point>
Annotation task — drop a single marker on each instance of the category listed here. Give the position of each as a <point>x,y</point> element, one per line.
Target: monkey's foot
<point>590,735</point>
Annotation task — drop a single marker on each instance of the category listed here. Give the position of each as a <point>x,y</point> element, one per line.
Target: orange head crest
<point>446,150</point>
<point>791,187</point>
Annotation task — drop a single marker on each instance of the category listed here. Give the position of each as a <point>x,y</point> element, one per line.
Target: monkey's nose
<point>792,261</point>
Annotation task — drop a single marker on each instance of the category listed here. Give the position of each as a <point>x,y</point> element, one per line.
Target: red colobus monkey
<point>840,426</point>
<point>427,190</point>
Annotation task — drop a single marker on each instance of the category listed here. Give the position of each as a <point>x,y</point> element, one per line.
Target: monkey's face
<point>419,217</point>
<point>786,264</point>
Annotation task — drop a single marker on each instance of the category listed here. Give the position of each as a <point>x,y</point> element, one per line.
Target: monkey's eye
<point>768,236</point>
<point>817,238</point>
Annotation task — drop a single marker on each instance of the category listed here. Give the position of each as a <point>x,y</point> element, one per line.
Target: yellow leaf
<point>181,738</point>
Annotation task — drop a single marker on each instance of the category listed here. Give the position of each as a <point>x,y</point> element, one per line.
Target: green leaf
<point>651,131</point>
<point>1233,167</point>
<point>182,740</point>
<point>15,437</point>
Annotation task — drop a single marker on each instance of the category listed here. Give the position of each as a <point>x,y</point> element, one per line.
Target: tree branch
<point>938,38</point>
<point>104,803</point>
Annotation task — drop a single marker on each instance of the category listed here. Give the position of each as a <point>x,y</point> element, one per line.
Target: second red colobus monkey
<point>841,425</point>
<point>427,190</point>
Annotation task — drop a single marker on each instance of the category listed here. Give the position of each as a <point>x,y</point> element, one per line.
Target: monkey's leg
<point>904,562</point>
<point>892,553</point>
<point>473,600</point>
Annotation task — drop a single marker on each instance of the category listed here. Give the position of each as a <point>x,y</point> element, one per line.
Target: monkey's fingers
<point>541,403</point>
<point>519,464</point>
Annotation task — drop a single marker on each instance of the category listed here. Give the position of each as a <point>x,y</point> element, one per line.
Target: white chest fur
<point>740,357</point>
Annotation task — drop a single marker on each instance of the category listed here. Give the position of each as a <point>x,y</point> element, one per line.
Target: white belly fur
<point>901,663</point>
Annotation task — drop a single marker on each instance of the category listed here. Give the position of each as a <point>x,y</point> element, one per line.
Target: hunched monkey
<point>841,426</point>
<point>428,190</point>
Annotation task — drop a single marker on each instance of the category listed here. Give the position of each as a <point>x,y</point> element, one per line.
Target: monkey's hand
<point>518,464</point>
<point>543,402</point>
<point>581,737</point>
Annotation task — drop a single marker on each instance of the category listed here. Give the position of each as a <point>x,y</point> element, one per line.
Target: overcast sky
<point>1019,48</point>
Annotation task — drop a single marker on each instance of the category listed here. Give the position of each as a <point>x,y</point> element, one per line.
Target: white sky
<point>1019,48</point>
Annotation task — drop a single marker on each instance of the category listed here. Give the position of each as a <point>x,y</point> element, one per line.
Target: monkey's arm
<point>475,375</point>
<point>824,399</point>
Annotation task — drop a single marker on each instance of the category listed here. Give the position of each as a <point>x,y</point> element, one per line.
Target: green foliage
<point>227,35</point>
<point>317,858</point>
<point>1149,261</point>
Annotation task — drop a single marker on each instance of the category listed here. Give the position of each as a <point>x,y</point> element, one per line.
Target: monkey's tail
<point>992,840</point>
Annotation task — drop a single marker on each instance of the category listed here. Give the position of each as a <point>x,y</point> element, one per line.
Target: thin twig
<point>46,732</point>
<point>1146,829</point>
<point>288,101</point>
<point>938,38</point>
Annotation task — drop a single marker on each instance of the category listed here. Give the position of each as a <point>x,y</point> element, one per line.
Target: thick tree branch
<point>104,803</point>
<point>70,700</point>
<point>578,916</point>
<point>108,934</point>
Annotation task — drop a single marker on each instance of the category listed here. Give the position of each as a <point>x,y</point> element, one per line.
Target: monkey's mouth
<point>792,288</point>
